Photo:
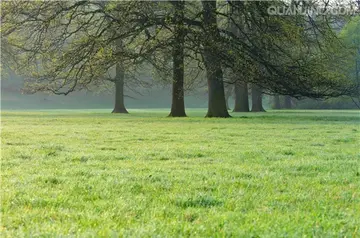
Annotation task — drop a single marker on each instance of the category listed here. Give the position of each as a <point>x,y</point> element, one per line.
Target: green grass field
<point>96,174</point>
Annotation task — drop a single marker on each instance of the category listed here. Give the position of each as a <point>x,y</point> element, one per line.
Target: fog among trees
<point>233,55</point>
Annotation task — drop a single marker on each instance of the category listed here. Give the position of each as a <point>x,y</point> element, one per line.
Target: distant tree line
<point>229,46</point>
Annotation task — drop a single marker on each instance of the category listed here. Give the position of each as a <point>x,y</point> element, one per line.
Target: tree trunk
<point>256,96</point>
<point>277,104</point>
<point>216,102</point>
<point>241,97</point>
<point>178,104</point>
<point>241,88</point>
<point>358,67</point>
<point>287,102</point>
<point>119,90</point>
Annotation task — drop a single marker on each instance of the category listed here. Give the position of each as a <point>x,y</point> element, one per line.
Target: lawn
<point>90,173</point>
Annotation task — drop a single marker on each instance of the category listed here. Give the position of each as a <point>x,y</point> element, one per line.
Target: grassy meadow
<point>90,173</point>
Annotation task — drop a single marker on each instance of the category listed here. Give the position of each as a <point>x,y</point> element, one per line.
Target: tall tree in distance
<point>276,103</point>
<point>119,106</point>
<point>287,102</point>
<point>241,97</point>
<point>256,98</point>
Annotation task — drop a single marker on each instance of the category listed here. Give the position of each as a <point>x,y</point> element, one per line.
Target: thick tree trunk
<point>241,97</point>
<point>241,88</point>
<point>256,96</point>
<point>119,90</point>
<point>216,102</point>
<point>277,104</point>
<point>287,102</point>
<point>178,104</point>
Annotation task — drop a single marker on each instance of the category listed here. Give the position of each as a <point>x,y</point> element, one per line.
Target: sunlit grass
<point>92,173</point>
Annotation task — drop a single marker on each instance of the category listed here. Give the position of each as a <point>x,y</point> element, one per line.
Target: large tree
<point>288,54</point>
<point>212,45</point>
<point>239,74</point>
<point>61,47</point>
<point>178,51</point>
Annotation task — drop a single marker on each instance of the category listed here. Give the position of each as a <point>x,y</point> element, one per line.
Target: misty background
<point>157,96</point>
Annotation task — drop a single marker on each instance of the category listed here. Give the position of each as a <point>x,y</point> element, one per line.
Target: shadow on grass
<point>204,202</point>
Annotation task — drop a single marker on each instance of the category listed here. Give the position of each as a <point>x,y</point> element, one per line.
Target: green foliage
<point>350,35</point>
<point>92,174</point>
<point>351,32</point>
<point>289,55</point>
<point>65,46</point>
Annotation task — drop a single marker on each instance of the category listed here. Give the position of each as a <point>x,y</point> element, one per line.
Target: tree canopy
<point>62,46</point>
